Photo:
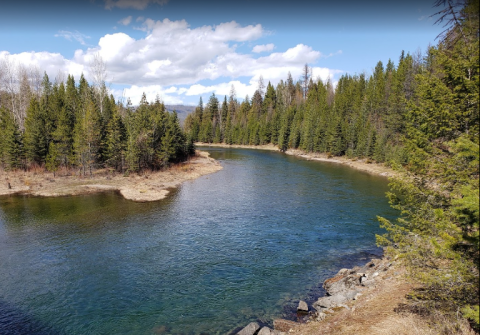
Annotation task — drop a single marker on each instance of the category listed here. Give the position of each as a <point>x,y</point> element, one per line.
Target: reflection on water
<point>239,245</point>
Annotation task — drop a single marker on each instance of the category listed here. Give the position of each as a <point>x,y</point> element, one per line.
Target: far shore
<point>359,164</point>
<point>143,187</point>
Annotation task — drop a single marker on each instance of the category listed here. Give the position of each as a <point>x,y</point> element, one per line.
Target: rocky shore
<point>149,186</point>
<point>348,291</point>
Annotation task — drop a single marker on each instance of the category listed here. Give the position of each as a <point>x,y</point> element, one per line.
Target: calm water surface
<point>243,244</point>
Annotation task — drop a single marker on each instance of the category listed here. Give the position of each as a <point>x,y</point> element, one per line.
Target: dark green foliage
<point>35,137</point>
<point>438,231</point>
<point>67,127</point>
<point>115,142</point>
<point>363,117</point>
<point>52,161</point>
<point>11,150</point>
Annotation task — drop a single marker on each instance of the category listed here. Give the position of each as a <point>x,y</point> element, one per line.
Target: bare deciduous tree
<point>60,77</point>
<point>98,72</point>
<point>9,83</point>
<point>450,16</point>
<point>261,86</point>
<point>35,80</point>
<point>24,95</point>
<point>306,75</point>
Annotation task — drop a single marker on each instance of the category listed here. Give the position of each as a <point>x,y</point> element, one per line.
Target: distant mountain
<point>181,110</point>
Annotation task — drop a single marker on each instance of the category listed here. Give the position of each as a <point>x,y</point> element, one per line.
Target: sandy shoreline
<point>148,187</point>
<point>359,164</point>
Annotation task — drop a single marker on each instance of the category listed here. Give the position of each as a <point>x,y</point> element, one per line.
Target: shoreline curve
<point>151,186</point>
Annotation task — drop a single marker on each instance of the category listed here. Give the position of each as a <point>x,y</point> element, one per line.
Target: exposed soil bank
<point>151,186</point>
<point>359,164</point>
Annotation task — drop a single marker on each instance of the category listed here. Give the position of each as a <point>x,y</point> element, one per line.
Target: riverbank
<point>151,186</point>
<point>363,300</point>
<point>364,165</point>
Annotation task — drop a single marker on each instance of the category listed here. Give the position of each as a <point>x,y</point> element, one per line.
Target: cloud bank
<point>172,55</point>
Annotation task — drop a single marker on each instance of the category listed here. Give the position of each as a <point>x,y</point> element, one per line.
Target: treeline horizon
<point>65,125</point>
<point>361,117</point>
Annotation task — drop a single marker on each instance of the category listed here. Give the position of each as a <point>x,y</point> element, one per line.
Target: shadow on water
<point>85,211</point>
<point>14,321</point>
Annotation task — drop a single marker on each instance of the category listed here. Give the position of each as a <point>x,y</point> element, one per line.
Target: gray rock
<point>250,329</point>
<point>338,285</point>
<point>329,302</point>
<point>351,295</point>
<point>321,316</point>
<point>265,331</point>
<point>302,306</point>
<point>368,282</point>
<point>335,300</point>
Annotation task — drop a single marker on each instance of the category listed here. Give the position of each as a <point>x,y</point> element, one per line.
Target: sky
<point>182,50</point>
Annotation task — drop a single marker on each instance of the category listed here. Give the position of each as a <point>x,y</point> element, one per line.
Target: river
<point>243,244</point>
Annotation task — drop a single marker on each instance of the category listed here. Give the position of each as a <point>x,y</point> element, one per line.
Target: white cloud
<point>151,91</point>
<point>173,58</point>
<point>223,89</point>
<point>73,35</point>
<point>126,21</point>
<point>172,53</point>
<point>263,48</point>
<point>135,4</point>
<point>51,63</point>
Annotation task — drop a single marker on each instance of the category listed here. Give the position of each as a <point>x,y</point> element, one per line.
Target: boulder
<point>302,306</point>
<point>329,302</point>
<point>367,282</point>
<point>265,331</point>
<point>351,295</point>
<point>340,284</point>
<point>250,329</point>
<point>335,300</point>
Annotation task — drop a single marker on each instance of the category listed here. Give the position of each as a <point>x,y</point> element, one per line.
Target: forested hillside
<point>65,125</point>
<point>420,115</point>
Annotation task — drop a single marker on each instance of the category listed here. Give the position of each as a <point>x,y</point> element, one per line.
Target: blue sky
<point>182,50</point>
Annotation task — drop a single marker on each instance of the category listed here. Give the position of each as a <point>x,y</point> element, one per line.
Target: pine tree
<point>115,142</point>
<point>52,160</point>
<point>35,134</point>
<point>11,150</point>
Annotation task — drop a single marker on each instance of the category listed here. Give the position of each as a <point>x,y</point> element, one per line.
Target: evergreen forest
<point>65,125</point>
<point>419,116</point>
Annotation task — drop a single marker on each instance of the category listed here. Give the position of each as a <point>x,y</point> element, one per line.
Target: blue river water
<point>243,244</point>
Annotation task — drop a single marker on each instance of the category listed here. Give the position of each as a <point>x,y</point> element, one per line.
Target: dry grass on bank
<point>144,186</point>
<point>376,312</point>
